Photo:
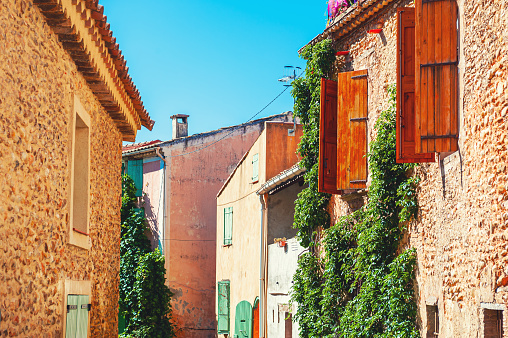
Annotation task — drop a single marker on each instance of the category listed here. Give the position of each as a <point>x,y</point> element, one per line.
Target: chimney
<point>180,126</point>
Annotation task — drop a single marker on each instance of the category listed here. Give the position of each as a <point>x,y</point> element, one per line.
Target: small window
<point>80,177</point>
<point>228,226</point>
<point>223,307</point>
<point>432,321</point>
<point>493,323</point>
<point>77,316</point>
<point>255,168</point>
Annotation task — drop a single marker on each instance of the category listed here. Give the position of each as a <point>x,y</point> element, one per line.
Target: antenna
<point>290,74</point>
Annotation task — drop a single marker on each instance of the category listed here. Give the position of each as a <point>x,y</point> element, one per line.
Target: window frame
<point>78,237</point>
<point>79,288</point>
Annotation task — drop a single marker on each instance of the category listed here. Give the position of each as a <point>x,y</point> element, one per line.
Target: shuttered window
<point>406,90</point>
<point>328,138</point>
<point>228,226</point>
<point>77,316</point>
<point>352,112</point>
<point>135,171</point>
<point>223,307</point>
<point>255,168</point>
<point>436,77</point>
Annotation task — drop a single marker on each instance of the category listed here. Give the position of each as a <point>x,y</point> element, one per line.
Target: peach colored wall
<point>193,182</point>
<point>240,262</point>
<point>153,199</point>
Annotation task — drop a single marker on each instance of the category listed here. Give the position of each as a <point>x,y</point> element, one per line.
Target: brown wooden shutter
<point>436,76</point>
<point>328,138</point>
<point>406,90</point>
<point>352,111</point>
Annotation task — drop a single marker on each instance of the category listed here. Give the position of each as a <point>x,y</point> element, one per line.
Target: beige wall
<point>38,81</point>
<point>240,262</point>
<point>461,234</point>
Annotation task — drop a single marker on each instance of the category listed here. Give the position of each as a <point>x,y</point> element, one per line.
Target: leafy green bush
<point>360,286</point>
<point>144,298</point>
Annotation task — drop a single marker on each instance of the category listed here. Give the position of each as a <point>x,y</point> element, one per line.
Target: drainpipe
<point>262,299</point>
<point>163,244</point>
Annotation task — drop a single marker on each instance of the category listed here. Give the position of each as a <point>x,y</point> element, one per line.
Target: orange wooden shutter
<point>328,138</point>
<point>406,90</point>
<point>436,76</point>
<point>352,130</point>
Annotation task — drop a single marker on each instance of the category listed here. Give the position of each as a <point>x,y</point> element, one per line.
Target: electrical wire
<point>236,127</point>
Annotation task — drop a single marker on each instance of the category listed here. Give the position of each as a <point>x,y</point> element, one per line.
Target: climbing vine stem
<point>361,284</point>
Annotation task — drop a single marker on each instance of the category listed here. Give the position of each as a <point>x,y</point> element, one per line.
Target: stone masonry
<point>462,229</point>
<point>38,81</point>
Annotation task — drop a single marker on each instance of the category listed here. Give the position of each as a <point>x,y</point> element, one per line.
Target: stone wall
<point>461,233</point>
<point>38,81</point>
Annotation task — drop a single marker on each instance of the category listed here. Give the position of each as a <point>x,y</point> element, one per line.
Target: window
<point>436,76</point>
<point>223,307</point>
<point>255,168</point>
<point>351,132</point>
<point>77,305</point>
<point>77,316</point>
<point>228,226</point>
<point>432,321</point>
<point>493,323</point>
<point>135,171</point>
<point>80,177</point>
<point>328,138</point>
<point>406,90</point>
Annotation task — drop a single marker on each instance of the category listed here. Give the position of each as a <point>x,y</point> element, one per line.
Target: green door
<point>243,320</point>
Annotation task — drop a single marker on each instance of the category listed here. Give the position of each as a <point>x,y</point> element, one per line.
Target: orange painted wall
<point>281,152</point>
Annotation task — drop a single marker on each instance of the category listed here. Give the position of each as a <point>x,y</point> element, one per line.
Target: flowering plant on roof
<point>335,7</point>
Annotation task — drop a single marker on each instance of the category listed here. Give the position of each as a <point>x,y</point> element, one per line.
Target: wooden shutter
<point>83,308</point>
<point>228,226</point>
<point>255,168</point>
<point>77,316</point>
<point>352,109</point>
<point>135,171</point>
<point>406,90</point>
<point>436,76</point>
<point>328,138</point>
<point>223,307</point>
<point>71,320</point>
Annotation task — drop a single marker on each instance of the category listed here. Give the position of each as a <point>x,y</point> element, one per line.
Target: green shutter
<point>243,320</point>
<point>255,168</point>
<point>135,171</point>
<point>77,316</point>
<point>223,307</point>
<point>72,316</point>
<point>228,226</point>
<point>82,329</point>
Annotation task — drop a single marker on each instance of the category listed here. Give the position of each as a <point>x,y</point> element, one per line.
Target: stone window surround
<point>76,238</point>
<point>74,287</point>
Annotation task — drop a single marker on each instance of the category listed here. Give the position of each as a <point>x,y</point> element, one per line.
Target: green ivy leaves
<point>360,286</point>
<point>144,297</point>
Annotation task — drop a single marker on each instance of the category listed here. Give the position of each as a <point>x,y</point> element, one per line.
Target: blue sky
<point>217,61</point>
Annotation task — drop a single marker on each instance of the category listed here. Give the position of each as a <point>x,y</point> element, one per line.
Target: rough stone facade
<point>461,232</point>
<point>38,81</point>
